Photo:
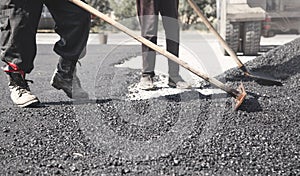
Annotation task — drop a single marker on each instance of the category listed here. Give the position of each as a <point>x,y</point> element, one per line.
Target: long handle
<point>233,92</point>
<point>219,37</point>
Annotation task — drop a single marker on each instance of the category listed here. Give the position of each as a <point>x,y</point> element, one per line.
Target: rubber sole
<point>31,103</point>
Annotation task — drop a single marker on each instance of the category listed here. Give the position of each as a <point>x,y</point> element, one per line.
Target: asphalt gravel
<point>182,134</point>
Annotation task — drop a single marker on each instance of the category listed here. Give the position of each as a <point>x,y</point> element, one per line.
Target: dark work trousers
<point>19,21</point>
<point>148,11</point>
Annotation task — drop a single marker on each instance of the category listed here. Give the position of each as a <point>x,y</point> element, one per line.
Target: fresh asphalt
<point>181,133</point>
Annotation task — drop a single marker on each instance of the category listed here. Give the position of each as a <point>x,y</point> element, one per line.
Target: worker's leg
<point>169,12</point>
<point>19,21</point>
<point>72,25</point>
<point>18,24</point>
<point>148,18</point>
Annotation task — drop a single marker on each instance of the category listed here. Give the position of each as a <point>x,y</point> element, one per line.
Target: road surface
<point>170,132</point>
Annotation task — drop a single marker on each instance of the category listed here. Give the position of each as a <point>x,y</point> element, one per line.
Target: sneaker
<point>179,83</point>
<point>20,93</point>
<point>71,87</point>
<point>146,83</point>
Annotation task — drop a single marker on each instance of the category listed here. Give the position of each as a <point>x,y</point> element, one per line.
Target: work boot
<point>146,82</point>
<point>65,78</point>
<point>18,86</point>
<point>178,82</point>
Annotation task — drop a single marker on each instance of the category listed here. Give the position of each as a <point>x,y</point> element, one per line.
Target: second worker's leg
<point>169,12</point>
<point>148,18</point>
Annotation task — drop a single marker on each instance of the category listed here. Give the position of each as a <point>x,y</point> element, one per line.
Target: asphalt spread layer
<point>181,134</point>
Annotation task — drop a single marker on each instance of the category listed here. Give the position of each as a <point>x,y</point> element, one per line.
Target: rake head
<point>239,99</point>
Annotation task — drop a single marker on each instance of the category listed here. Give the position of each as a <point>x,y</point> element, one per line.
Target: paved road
<point>201,49</point>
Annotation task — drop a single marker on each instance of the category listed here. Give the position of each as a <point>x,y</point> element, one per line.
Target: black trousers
<point>148,11</point>
<point>19,21</point>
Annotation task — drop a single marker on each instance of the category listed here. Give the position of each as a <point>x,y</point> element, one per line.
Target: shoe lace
<point>24,88</point>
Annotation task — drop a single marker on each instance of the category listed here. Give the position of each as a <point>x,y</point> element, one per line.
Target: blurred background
<point>242,23</point>
<point>124,11</point>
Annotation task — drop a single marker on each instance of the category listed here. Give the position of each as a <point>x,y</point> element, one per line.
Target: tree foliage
<point>189,17</point>
<point>104,7</point>
<point>125,11</point>
<point>124,8</point>
<point>101,5</point>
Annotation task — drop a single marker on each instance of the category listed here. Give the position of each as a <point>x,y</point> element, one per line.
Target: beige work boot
<point>178,82</point>
<point>20,92</point>
<point>146,83</point>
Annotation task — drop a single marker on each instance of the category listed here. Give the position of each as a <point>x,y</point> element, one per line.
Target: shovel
<point>259,78</point>
<point>238,94</point>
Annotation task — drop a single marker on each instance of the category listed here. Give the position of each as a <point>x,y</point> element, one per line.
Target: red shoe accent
<point>13,68</point>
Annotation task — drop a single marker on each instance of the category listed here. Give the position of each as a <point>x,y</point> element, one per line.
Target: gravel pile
<point>182,134</point>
